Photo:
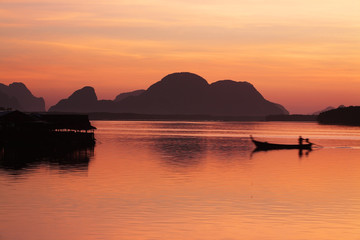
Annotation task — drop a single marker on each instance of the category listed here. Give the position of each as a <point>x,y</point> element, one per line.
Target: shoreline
<point>195,117</point>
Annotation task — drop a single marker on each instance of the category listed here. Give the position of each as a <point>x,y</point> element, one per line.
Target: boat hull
<point>270,146</point>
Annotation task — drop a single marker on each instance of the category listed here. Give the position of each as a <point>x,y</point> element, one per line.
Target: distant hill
<point>83,101</point>
<point>324,110</point>
<point>327,109</point>
<point>342,116</point>
<point>179,94</point>
<point>18,96</point>
<point>292,117</point>
<point>188,93</point>
<point>8,102</point>
<point>122,96</point>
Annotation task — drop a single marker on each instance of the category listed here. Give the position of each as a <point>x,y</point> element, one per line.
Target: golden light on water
<point>183,180</point>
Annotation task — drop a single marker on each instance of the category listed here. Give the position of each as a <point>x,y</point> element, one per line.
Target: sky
<point>303,54</point>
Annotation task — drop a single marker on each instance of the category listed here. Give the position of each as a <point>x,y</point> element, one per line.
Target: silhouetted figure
<point>300,140</point>
<point>307,141</point>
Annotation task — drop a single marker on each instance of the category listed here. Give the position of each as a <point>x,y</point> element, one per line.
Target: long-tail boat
<point>270,146</point>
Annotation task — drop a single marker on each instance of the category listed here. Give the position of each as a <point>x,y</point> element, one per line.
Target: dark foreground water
<point>186,180</point>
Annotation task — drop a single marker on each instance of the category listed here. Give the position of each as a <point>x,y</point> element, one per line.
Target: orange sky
<point>303,54</point>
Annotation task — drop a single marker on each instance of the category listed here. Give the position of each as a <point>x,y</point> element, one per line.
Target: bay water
<point>187,180</point>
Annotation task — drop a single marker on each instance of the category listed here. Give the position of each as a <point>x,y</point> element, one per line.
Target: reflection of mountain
<point>180,152</point>
<point>18,96</point>
<point>17,160</point>
<point>186,152</point>
<point>179,93</point>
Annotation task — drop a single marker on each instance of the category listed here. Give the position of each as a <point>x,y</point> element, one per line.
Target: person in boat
<point>300,140</point>
<point>307,141</point>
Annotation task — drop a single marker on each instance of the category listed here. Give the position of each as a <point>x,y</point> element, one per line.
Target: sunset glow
<point>303,54</point>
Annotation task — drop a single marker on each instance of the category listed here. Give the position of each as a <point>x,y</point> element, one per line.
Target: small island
<point>341,116</point>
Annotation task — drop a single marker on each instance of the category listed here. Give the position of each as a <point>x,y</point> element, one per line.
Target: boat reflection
<point>306,152</point>
<point>19,160</point>
<point>301,152</point>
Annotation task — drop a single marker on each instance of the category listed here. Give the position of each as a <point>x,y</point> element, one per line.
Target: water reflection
<point>192,151</point>
<point>19,160</point>
<point>180,151</point>
<point>152,183</point>
<point>304,151</point>
<point>301,152</point>
<point>226,148</point>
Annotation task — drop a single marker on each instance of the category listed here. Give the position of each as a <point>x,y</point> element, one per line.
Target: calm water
<point>186,180</point>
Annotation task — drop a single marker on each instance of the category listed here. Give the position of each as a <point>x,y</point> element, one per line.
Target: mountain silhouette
<point>8,102</point>
<point>122,96</point>
<point>228,97</point>
<point>174,94</point>
<point>178,93</point>
<point>324,110</point>
<point>83,101</point>
<point>327,109</point>
<point>188,93</point>
<point>341,116</point>
<point>18,96</point>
